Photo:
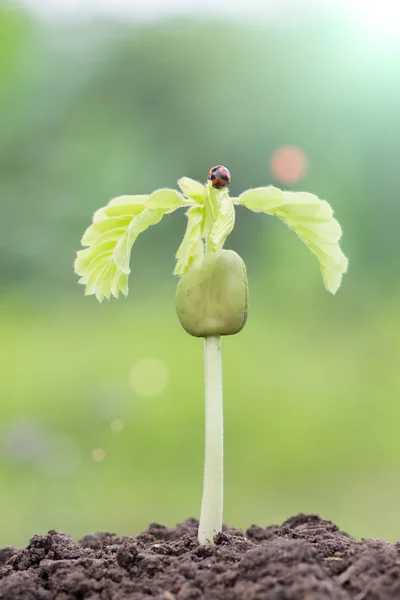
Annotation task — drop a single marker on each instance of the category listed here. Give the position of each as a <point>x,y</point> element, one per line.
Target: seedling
<point>211,298</point>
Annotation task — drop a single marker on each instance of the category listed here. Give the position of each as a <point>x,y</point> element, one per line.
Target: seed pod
<point>211,298</point>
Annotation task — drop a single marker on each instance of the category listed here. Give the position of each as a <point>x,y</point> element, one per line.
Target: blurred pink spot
<point>289,164</point>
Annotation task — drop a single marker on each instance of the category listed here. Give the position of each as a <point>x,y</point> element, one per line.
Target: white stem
<point>211,506</point>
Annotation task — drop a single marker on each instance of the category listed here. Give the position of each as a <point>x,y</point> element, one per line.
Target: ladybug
<point>219,177</point>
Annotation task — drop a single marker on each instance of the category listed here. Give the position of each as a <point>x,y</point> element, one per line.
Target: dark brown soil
<point>306,558</point>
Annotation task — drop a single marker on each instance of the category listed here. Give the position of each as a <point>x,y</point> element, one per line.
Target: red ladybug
<point>219,177</point>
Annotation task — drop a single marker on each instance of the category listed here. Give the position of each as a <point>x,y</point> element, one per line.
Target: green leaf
<point>104,264</point>
<point>166,199</point>
<point>85,257</point>
<point>191,249</point>
<point>223,224</point>
<point>95,231</point>
<point>122,252</point>
<point>262,199</point>
<point>122,205</point>
<point>192,189</point>
<point>312,219</point>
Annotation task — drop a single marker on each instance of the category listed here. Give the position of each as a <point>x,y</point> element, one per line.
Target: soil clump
<point>305,558</point>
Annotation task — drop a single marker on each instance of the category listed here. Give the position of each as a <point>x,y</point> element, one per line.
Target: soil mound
<point>306,558</point>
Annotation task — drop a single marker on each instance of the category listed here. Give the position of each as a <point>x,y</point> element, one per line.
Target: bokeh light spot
<point>149,377</point>
<point>117,425</point>
<point>289,164</point>
<point>98,454</point>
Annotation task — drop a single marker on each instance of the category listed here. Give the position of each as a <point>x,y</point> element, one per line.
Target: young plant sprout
<point>211,298</point>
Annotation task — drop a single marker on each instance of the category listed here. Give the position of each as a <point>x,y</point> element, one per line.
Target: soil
<point>305,558</point>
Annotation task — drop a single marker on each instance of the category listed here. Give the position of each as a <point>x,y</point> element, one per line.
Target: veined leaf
<point>104,264</point>
<point>262,199</point>
<point>192,189</point>
<point>191,248</point>
<point>312,219</point>
<point>122,252</point>
<point>122,205</point>
<point>166,199</point>
<point>95,231</point>
<point>223,224</point>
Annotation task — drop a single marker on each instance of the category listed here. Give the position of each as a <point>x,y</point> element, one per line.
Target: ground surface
<point>306,558</point>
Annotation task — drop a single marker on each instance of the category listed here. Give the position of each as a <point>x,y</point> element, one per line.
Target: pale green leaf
<point>122,205</point>
<point>95,231</point>
<point>321,211</point>
<point>301,198</point>
<point>166,199</point>
<point>128,200</point>
<point>99,260</point>
<point>191,249</point>
<point>120,285</point>
<point>95,276</point>
<point>122,252</point>
<point>99,273</point>
<point>262,199</point>
<point>112,235</point>
<point>104,264</point>
<point>223,224</point>
<point>192,189</point>
<point>312,219</point>
<point>84,257</point>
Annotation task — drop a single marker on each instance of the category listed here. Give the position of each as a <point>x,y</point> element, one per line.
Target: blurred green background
<point>101,406</point>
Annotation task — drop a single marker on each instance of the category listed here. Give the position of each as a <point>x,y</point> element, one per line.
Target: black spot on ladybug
<point>219,177</point>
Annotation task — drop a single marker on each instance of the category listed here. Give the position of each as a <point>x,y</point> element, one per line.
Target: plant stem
<point>211,506</point>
